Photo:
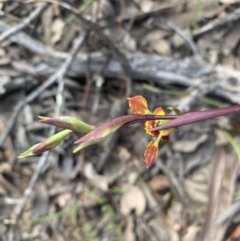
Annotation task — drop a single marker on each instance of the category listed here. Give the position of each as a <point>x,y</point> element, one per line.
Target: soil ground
<point>83,59</point>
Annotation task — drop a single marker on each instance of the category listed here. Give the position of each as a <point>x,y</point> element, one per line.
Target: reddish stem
<point>197,116</point>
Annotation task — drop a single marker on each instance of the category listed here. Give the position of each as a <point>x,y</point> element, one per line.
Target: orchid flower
<point>139,106</point>
<point>157,124</point>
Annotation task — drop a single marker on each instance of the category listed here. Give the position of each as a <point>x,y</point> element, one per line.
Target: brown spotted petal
<point>138,105</point>
<point>151,153</point>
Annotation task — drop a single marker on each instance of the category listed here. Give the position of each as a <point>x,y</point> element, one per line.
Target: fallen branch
<point>58,75</point>
<point>10,32</point>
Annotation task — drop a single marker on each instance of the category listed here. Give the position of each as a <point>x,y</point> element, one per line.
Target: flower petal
<point>153,123</point>
<point>148,126</point>
<point>151,153</point>
<point>159,111</point>
<point>139,105</point>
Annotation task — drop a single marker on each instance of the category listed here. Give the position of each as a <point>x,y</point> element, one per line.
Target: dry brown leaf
<point>40,201</point>
<point>220,196</point>
<point>155,41</point>
<point>133,199</point>
<point>4,80</point>
<point>175,216</point>
<point>88,200</point>
<point>220,138</point>
<point>153,36</point>
<point>5,167</point>
<point>189,146</point>
<point>63,199</point>
<point>145,5</point>
<point>46,18</point>
<point>99,10</point>
<point>10,152</point>
<point>123,154</point>
<point>23,66</point>
<point>57,30</point>
<point>163,229</point>
<point>191,233</point>
<point>209,8</point>
<point>229,1</point>
<point>177,40</point>
<point>235,235</point>
<point>161,47</point>
<point>196,191</point>
<point>132,177</point>
<point>196,185</point>
<point>231,40</point>
<point>222,14</point>
<point>129,232</point>
<point>97,180</point>
<point>4,57</point>
<point>129,42</point>
<point>159,183</point>
<point>183,16</point>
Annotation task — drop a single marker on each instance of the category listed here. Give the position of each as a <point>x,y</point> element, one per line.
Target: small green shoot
<point>206,100</point>
<point>67,211</point>
<point>81,8</point>
<point>89,232</point>
<point>232,142</point>
<point>196,16</point>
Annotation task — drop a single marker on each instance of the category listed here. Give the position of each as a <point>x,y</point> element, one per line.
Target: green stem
<point>196,16</point>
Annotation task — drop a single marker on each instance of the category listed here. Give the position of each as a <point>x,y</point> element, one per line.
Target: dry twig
<point>181,33</point>
<point>155,12</point>
<point>220,196</point>
<point>58,75</point>
<point>32,44</point>
<point>119,56</point>
<point>14,30</point>
<point>217,23</point>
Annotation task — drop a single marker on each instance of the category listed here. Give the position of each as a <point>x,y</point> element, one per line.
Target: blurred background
<point>83,59</point>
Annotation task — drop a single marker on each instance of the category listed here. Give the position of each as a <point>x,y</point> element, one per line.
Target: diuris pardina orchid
<point>139,106</point>
<point>157,124</point>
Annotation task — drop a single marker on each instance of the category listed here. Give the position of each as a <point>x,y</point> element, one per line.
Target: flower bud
<point>68,122</point>
<point>51,142</point>
<point>28,152</point>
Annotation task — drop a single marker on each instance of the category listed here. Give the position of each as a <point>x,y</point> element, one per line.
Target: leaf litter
<point>105,192</point>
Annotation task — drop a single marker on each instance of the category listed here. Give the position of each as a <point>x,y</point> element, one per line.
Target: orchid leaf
<point>86,144</point>
<point>111,126</point>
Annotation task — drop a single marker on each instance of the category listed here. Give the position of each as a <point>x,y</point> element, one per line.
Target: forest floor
<point>83,59</point>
